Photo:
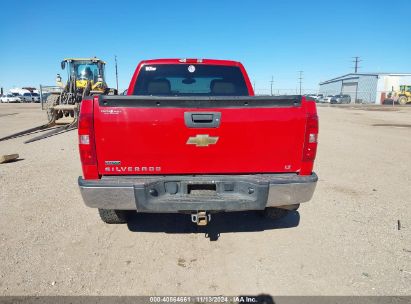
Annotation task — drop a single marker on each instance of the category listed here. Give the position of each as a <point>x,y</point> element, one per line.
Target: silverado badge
<point>202,140</point>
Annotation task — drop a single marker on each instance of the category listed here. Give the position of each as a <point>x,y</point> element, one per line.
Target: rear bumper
<point>159,194</point>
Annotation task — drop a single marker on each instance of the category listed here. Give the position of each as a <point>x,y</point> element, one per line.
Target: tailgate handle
<point>202,119</point>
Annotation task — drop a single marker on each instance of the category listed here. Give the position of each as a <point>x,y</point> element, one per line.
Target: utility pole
<point>356,61</point>
<point>271,82</point>
<point>254,86</point>
<point>301,79</point>
<point>115,59</point>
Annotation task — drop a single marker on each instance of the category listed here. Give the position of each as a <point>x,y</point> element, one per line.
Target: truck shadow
<point>246,221</point>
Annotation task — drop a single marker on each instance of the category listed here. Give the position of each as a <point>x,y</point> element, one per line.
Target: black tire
<point>111,216</point>
<point>278,213</point>
<point>402,100</point>
<point>275,213</point>
<point>51,101</point>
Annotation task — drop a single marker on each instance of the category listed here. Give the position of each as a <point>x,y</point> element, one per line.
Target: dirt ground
<point>353,238</point>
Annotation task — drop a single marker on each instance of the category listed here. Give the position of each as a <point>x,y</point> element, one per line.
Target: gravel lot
<point>346,241</point>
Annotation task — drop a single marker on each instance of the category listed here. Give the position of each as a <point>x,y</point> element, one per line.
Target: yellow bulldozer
<point>403,96</point>
<point>85,77</point>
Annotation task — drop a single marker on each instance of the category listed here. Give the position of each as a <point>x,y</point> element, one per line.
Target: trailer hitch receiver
<point>201,218</point>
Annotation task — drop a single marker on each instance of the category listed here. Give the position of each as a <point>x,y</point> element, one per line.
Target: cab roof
<point>191,60</point>
<point>93,59</point>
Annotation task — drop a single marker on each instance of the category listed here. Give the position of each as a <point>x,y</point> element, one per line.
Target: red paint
<point>154,140</point>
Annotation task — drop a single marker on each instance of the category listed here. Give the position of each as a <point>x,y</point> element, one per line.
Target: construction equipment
<point>403,96</point>
<point>85,77</point>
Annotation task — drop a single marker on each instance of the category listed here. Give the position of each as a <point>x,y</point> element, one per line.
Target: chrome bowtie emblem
<point>202,140</point>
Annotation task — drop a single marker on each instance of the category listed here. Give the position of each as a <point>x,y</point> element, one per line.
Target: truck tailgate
<point>198,135</point>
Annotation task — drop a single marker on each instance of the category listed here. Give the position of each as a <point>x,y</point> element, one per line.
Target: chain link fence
<point>276,92</point>
<point>364,97</point>
<point>45,92</point>
<point>359,97</point>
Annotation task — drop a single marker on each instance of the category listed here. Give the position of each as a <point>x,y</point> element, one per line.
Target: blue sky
<point>269,37</point>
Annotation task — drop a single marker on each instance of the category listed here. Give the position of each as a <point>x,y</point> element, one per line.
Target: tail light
<point>310,144</point>
<point>190,60</point>
<point>311,138</point>
<point>87,147</point>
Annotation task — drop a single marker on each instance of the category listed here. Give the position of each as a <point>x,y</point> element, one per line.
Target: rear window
<point>190,80</point>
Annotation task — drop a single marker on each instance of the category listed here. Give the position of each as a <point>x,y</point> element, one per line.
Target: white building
<point>365,87</point>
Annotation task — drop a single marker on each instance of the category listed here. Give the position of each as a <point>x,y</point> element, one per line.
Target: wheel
<point>111,216</point>
<point>402,100</point>
<point>275,213</point>
<point>86,90</point>
<point>278,213</point>
<point>51,101</point>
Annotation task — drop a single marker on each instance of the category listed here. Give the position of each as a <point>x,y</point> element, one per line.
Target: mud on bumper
<point>158,194</point>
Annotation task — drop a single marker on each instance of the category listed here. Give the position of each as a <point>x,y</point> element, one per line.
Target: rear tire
<point>402,100</point>
<point>275,213</point>
<point>278,213</point>
<point>51,101</point>
<point>111,216</point>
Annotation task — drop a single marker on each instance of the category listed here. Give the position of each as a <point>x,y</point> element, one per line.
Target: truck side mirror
<point>63,65</point>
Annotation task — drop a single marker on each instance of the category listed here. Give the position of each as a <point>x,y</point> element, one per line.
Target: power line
<point>271,83</point>
<point>301,79</point>
<point>115,59</point>
<point>356,61</point>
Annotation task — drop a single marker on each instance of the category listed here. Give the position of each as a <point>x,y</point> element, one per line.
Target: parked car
<point>326,99</point>
<point>11,98</point>
<point>35,97</point>
<point>340,99</point>
<point>27,97</point>
<point>316,97</point>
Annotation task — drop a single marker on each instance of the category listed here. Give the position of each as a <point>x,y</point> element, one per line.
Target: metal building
<point>365,87</point>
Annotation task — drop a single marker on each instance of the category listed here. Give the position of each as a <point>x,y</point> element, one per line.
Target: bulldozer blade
<point>29,131</point>
<point>54,132</point>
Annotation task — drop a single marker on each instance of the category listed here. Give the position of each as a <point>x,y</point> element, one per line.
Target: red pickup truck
<point>191,137</point>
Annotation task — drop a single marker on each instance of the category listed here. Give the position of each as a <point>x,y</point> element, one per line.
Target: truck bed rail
<point>200,101</point>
